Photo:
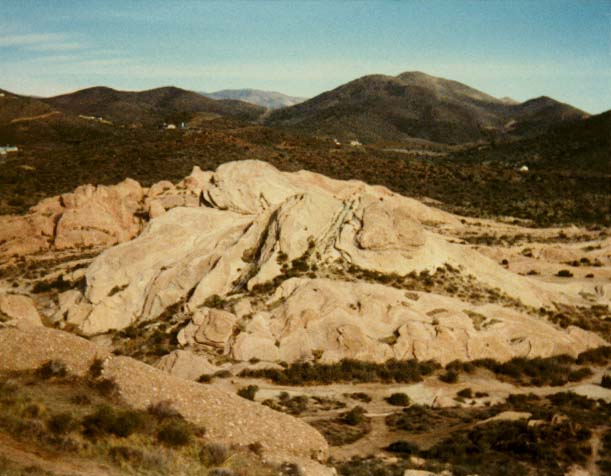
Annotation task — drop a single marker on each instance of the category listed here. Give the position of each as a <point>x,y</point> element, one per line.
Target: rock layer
<point>238,239</point>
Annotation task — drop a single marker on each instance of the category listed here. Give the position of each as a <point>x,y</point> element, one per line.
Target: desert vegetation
<point>68,417</point>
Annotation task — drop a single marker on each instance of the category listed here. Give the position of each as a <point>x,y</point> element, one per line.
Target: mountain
<point>25,119</point>
<point>268,99</point>
<point>151,107</point>
<point>415,105</point>
<point>571,145</point>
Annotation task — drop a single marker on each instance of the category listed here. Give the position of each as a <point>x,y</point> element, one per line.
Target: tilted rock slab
<point>226,417</point>
<point>254,220</point>
<point>88,217</point>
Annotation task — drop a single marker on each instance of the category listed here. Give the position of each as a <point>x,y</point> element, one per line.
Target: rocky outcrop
<point>19,310</point>
<point>226,417</point>
<point>88,217</point>
<point>185,364</point>
<point>232,262</point>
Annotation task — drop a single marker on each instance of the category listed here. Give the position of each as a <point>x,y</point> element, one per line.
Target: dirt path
<point>35,118</point>
<point>28,455</point>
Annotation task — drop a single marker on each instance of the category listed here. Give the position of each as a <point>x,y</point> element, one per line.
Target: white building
<point>4,150</point>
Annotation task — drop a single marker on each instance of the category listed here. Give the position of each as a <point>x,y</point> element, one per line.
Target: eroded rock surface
<point>226,417</point>
<point>287,266</point>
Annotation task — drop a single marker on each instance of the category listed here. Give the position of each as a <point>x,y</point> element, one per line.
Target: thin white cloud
<point>40,42</point>
<point>31,39</point>
<point>61,46</point>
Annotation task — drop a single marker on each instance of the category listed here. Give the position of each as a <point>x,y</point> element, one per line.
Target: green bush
<point>96,367</point>
<point>354,417</point>
<point>106,420</point>
<point>398,399</point>
<point>52,368</point>
<point>106,387</point>
<point>403,447</point>
<point>163,410</point>
<point>61,423</point>
<point>213,454</point>
<point>564,273</point>
<point>175,433</point>
<point>248,392</point>
<point>450,376</point>
<point>465,393</point>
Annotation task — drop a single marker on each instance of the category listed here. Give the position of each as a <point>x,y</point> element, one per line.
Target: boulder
<point>19,310</point>
<point>211,327</point>
<point>185,364</point>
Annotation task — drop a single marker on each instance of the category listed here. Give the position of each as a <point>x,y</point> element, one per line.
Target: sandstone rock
<point>227,418</point>
<point>183,248</point>
<point>156,208</point>
<point>185,364</point>
<point>211,327</point>
<point>88,217</point>
<point>257,225</point>
<point>20,310</point>
<point>418,472</point>
<point>99,216</point>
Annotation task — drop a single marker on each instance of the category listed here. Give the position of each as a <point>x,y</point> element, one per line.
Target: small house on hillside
<point>4,150</point>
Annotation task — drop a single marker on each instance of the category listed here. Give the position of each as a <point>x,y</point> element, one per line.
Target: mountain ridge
<point>378,107</point>
<point>268,99</point>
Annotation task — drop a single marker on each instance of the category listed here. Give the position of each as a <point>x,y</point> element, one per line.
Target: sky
<point>519,49</point>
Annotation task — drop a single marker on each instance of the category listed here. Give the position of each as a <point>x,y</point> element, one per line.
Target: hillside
<point>572,145</point>
<point>248,321</point>
<point>415,105</point>
<point>28,120</point>
<point>150,108</point>
<point>267,99</point>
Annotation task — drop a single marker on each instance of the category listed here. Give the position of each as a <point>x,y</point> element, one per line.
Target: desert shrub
<point>107,387</point>
<point>96,367</point>
<point>398,399</point>
<point>106,420</point>
<point>52,368</point>
<point>449,376</point>
<point>125,454</point>
<point>354,417</point>
<point>465,393</point>
<point>138,458</point>
<point>347,370</point>
<point>598,356</point>
<point>205,378</point>
<point>579,374</point>
<point>360,396</point>
<point>81,399</point>
<point>606,381</point>
<point>163,410</point>
<point>215,301</point>
<point>248,392</point>
<point>34,410</point>
<point>564,273</point>
<point>175,433</point>
<point>213,454</point>
<point>538,371</point>
<point>403,447</point>
<point>222,374</point>
<point>61,423</point>
<point>222,472</point>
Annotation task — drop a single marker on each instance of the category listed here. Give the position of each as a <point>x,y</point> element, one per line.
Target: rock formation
<point>289,266</point>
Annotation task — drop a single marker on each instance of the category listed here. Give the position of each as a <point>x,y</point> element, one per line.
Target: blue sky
<point>518,49</point>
